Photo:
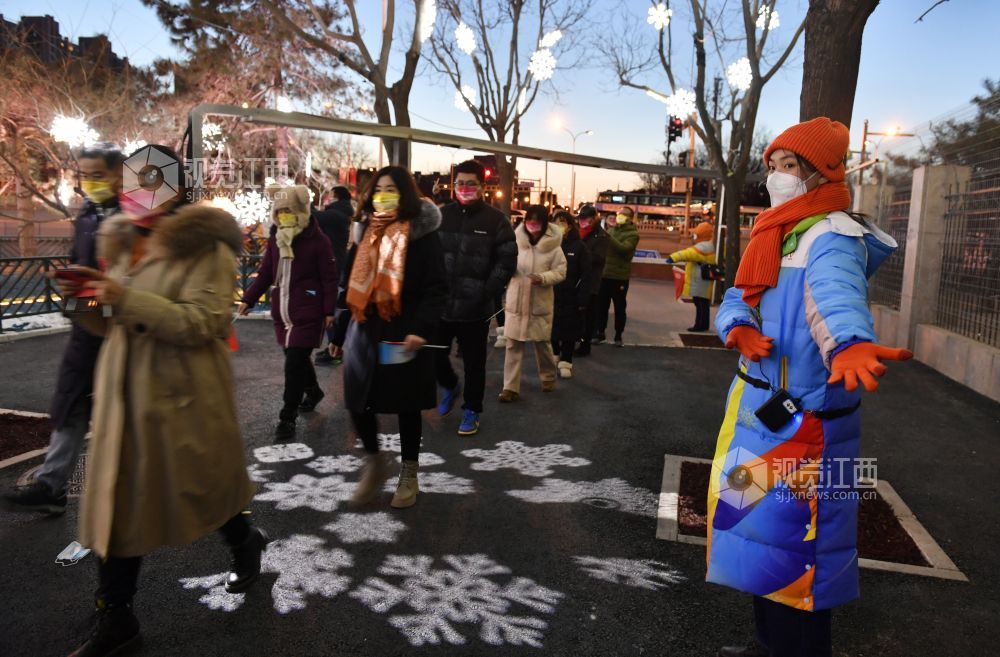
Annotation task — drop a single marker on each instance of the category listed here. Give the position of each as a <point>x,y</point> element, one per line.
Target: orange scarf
<point>379,264</point>
<point>761,261</point>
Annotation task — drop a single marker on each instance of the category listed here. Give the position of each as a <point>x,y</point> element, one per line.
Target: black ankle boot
<point>312,398</point>
<point>245,567</point>
<point>116,629</point>
<point>755,649</point>
<point>286,424</point>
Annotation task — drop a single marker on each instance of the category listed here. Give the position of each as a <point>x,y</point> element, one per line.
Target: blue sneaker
<point>448,398</point>
<point>470,423</point>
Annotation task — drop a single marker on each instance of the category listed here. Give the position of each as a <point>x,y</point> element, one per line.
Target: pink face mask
<point>533,226</point>
<point>467,195</point>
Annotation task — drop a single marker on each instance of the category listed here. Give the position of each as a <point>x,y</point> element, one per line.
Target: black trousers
<point>118,577</point>
<point>590,320</point>
<point>300,376</point>
<point>612,291</point>
<point>789,632</point>
<point>563,349</point>
<point>473,338</point>
<point>410,430</point>
<point>701,306</point>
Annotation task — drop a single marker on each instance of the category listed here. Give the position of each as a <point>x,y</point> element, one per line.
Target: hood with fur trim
<point>189,232</point>
<point>551,239</point>
<point>425,223</point>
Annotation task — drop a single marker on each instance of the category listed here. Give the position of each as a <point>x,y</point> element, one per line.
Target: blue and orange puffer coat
<point>799,550</point>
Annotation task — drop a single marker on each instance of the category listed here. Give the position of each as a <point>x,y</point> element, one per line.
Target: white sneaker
<point>565,370</point>
<point>501,342</point>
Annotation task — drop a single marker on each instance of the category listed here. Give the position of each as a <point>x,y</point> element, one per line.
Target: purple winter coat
<point>307,293</point>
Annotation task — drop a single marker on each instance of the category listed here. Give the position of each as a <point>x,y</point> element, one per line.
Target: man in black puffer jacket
<point>479,257</point>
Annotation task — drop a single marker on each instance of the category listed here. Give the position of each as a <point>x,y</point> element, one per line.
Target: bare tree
<point>738,35</point>
<point>508,49</point>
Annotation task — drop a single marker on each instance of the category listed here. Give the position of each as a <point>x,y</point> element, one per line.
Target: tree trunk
<point>731,220</point>
<point>506,171</point>
<point>399,149</point>
<point>25,202</point>
<point>832,56</point>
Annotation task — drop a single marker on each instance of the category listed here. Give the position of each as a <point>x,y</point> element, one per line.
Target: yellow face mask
<point>97,191</point>
<point>287,219</point>
<point>385,201</point>
<point>622,219</point>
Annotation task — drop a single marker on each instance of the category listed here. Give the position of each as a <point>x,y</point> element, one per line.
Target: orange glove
<point>750,342</point>
<point>863,361</point>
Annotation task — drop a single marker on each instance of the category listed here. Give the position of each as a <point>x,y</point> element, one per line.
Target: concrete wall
<point>886,324</point>
<point>971,363</point>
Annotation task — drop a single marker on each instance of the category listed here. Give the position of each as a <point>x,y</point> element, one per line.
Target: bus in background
<point>666,211</point>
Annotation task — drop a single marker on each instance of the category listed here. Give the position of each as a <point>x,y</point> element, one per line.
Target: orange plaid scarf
<point>379,266</point>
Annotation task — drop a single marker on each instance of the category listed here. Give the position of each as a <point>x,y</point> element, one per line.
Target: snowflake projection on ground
<point>252,207</point>
<point>762,15</point>
<point>378,527</point>
<point>212,138</point>
<point>320,494</point>
<point>444,601</point>
<point>550,39</point>
<point>739,74</point>
<point>530,461</point>
<point>606,493</point>
<point>255,473</point>
<point>439,482</point>
<point>659,16</point>
<point>681,103</point>
<point>465,38</point>
<point>283,453</point>
<point>543,64</point>
<point>336,464</point>
<point>304,565</point>
<point>389,442</point>
<point>640,573</point>
<point>466,94</point>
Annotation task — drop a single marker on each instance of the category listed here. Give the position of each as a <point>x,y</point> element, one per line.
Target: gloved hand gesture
<point>863,361</point>
<point>750,342</point>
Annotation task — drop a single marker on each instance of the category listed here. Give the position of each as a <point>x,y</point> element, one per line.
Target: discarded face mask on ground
<point>71,554</point>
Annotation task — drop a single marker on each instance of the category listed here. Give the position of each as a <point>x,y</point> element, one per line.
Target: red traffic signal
<point>489,173</point>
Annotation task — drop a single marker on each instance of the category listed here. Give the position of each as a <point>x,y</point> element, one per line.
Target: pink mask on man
<point>467,195</point>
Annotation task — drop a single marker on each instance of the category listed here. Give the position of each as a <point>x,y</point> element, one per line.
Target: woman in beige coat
<point>529,306</point>
<point>166,463</point>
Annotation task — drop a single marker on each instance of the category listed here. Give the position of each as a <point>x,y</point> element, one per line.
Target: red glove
<point>863,361</point>
<point>750,342</point>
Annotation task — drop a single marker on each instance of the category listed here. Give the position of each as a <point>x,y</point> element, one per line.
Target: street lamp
<point>572,190</point>
<point>895,131</point>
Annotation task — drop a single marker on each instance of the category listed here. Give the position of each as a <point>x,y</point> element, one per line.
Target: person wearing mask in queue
<point>623,237</point>
<point>299,264</point>
<point>798,315</point>
<point>100,172</point>
<point>335,222</point>
<point>530,298</point>
<point>696,287</point>
<point>571,295</point>
<point>479,258</point>
<point>165,464</point>
<point>595,238</point>
<point>392,294</point>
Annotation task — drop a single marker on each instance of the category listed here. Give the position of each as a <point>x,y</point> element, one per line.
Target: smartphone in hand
<point>73,274</point>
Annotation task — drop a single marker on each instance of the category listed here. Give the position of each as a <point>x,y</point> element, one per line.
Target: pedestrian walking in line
<point>595,238</point>
<point>698,282</point>
<point>541,265</point>
<point>298,262</point>
<point>166,463</point>
<point>392,295</point>
<point>100,172</point>
<point>479,258</point>
<point>571,295</point>
<point>335,222</point>
<point>799,317</point>
<point>623,237</point>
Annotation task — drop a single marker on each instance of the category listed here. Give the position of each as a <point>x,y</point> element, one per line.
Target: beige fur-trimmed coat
<point>166,463</point>
<point>530,308</point>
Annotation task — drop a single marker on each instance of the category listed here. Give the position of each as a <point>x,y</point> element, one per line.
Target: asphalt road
<point>525,547</point>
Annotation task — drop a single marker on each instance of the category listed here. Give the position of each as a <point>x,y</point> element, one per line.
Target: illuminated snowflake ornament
<point>73,131</point>
<point>681,103</point>
<point>283,104</point>
<point>543,64</point>
<point>133,145</point>
<point>428,16</point>
<point>739,74</point>
<point>252,207</point>
<point>659,16</point>
<point>762,21</point>
<point>211,136</point>
<point>466,94</point>
<point>550,39</point>
<point>65,193</point>
<point>465,38</point>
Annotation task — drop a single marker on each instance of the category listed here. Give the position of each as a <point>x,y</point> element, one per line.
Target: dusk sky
<point>910,73</point>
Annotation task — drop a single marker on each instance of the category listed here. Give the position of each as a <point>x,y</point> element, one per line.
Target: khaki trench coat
<point>166,463</point>
<point>528,307</point>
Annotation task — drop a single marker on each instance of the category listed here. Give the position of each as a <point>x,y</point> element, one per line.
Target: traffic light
<point>675,126</point>
<point>489,174</point>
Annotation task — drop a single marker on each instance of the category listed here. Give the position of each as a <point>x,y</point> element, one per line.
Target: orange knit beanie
<point>822,142</point>
<point>702,231</point>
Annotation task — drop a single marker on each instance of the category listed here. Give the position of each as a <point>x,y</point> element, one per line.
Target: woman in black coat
<point>572,294</point>
<point>393,293</point>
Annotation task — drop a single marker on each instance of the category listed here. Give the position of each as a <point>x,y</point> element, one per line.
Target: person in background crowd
<point>393,292</point>
<point>165,463</point>
<point>799,317</point>
<point>696,286</point>
<point>299,263</point>
<point>100,172</point>
<point>623,237</point>
<point>571,295</point>
<point>595,238</point>
<point>540,266</point>
<point>479,258</point>
<point>335,222</point>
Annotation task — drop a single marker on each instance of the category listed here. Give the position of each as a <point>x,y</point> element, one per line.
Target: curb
<point>36,333</point>
<point>26,456</point>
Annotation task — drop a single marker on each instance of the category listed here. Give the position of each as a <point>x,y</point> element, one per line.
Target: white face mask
<point>783,187</point>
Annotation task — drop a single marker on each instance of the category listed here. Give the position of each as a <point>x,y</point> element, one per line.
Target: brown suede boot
<point>372,479</point>
<point>407,489</point>
<point>548,386</point>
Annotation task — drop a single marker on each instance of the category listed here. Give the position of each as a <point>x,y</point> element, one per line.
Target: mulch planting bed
<point>19,434</point>
<point>702,340</point>
<point>880,536</point>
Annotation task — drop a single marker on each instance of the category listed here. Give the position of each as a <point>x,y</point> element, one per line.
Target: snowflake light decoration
<point>659,16</point>
<point>762,21</point>
<point>550,39</point>
<point>465,38</point>
<point>65,193</point>
<point>542,65</point>
<point>739,74</point>
<point>681,103</point>
<point>252,207</point>
<point>132,145</point>
<point>439,482</point>
<point>341,464</point>
<point>614,494</point>
<point>73,130</point>
<point>212,138</point>
<point>466,94</point>
<point>428,16</point>
<point>378,527</point>
<point>640,573</point>
<point>283,104</point>
<point>302,491</point>
<point>529,461</point>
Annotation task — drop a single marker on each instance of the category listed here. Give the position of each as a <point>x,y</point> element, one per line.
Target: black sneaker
<point>115,631</point>
<point>600,338</point>
<point>245,567</point>
<point>323,358</point>
<point>285,430</point>
<point>36,496</point>
<point>311,399</point>
<point>618,341</point>
<point>583,349</point>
